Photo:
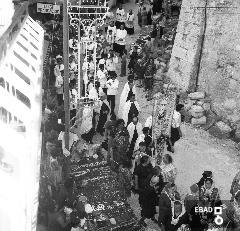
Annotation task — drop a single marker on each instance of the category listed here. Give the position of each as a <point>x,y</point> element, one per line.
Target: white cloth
<point>110,38</point>
<point>176,220</point>
<point>131,129</point>
<point>72,138</point>
<point>123,98</point>
<point>113,29</point>
<point>93,94</point>
<point>102,78</point>
<point>112,87</point>
<point>86,124</point>
<point>75,229</point>
<point>58,69</point>
<point>148,122</point>
<point>126,109</point>
<point>110,65</point>
<point>140,139</point>
<point>169,172</point>
<point>59,84</point>
<point>121,37</point>
<point>120,15</point>
<point>102,61</point>
<point>130,19</point>
<point>176,119</point>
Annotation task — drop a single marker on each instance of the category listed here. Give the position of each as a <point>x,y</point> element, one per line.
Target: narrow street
<point>196,152</point>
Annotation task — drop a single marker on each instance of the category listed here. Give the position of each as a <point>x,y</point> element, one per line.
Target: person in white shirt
<point>102,77</point>
<point>59,86</point>
<point>120,16</point>
<point>110,38</point>
<point>111,65</point>
<point>134,130</point>
<point>176,132</point>
<point>112,27</point>
<point>120,40</point>
<point>112,90</point>
<point>129,22</point>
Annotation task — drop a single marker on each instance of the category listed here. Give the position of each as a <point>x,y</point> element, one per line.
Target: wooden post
<point>66,72</point>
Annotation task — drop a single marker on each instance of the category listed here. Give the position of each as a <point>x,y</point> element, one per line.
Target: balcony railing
<point>7,39</point>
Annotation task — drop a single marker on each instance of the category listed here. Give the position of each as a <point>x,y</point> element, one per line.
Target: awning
<point>59,2</point>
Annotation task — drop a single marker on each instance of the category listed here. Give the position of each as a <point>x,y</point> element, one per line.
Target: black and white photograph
<point>120,115</point>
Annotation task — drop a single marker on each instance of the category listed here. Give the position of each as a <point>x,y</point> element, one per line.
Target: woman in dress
<point>129,22</point>
<point>169,171</point>
<point>120,143</point>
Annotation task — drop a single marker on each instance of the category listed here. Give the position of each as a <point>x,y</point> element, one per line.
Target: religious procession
<point>125,117</point>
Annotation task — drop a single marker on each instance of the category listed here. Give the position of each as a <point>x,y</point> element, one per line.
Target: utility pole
<point>66,72</point>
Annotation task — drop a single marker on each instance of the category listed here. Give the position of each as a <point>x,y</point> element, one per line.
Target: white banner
<point>48,8</point>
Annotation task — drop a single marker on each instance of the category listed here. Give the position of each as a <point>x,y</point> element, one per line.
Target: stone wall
<point>220,67</point>
<point>219,75</point>
<point>185,53</point>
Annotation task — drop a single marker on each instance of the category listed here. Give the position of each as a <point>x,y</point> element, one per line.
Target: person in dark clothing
<point>104,111</point>
<point>205,175</point>
<point>149,192</point>
<point>66,194</point>
<point>167,196</point>
<point>179,217</point>
<point>141,172</point>
<point>191,199</point>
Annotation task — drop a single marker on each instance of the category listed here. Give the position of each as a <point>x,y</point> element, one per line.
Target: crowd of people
<point>126,142</point>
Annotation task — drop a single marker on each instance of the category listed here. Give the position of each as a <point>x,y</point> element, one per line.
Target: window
<point>24,37</point>
<point>2,82</point>
<point>13,91</point>
<point>34,46</point>
<point>21,58</point>
<point>22,76</point>
<point>7,84</point>
<point>23,98</point>
<point>23,47</point>
<point>3,114</point>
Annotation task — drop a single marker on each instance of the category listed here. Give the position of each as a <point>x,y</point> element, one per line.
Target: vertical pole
<point>66,72</point>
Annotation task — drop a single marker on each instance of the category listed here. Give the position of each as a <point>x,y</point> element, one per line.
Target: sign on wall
<point>48,8</point>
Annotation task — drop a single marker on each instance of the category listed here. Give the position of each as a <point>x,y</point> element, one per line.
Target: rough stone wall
<point>219,73</point>
<point>220,67</point>
<point>185,53</point>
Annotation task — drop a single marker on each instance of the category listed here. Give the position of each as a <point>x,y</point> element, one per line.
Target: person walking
<point>144,14</point>
<point>112,90</point>
<point>176,132</point>
<point>131,109</point>
<point>128,89</point>
<point>104,112</point>
<point>129,22</point>
<point>124,64</point>
<point>134,130</point>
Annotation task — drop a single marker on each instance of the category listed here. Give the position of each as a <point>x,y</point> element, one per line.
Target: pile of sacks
<point>197,106</point>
